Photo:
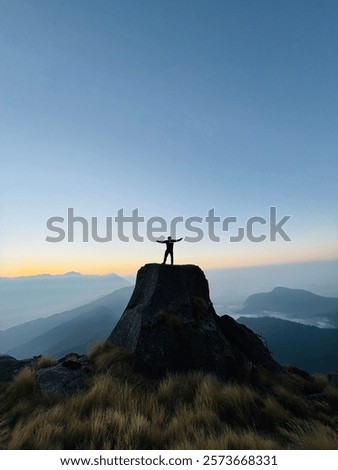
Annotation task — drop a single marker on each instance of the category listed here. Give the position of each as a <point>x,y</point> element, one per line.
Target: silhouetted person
<point>170,248</point>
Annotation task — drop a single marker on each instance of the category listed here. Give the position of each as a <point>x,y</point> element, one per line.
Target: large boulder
<point>247,345</point>
<point>68,376</point>
<point>170,325</point>
<point>9,366</point>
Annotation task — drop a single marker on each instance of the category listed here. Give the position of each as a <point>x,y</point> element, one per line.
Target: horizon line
<point>249,266</point>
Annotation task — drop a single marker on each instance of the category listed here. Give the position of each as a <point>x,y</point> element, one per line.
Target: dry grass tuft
<point>331,394</point>
<point>310,435</point>
<point>44,361</point>
<point>23,384</point>
<point>112,359</point>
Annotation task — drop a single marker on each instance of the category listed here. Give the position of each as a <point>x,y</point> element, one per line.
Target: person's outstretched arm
<point>178,240</point>
<point>160,241</point>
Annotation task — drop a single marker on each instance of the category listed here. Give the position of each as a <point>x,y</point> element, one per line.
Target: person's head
<point>169,238</point>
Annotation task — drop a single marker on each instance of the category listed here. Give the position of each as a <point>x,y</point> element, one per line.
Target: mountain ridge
<point>292,303</point>
<point>27,298</point>
<point>14,340</point>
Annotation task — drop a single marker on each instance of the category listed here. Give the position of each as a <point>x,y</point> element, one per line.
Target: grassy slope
<point>122,410</point>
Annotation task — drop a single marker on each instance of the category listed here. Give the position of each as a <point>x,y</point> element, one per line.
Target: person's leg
<point>165,257</point>
<point>172,257</point>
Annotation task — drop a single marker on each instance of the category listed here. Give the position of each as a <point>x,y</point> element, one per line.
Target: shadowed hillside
<point>308,347</point>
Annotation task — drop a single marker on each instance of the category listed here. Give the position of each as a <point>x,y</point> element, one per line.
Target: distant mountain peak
<point>288,290</point>
<point>281,289</point>
<point>296,303</point>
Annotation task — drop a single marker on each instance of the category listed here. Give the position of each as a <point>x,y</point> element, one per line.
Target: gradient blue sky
<point>173,107</point>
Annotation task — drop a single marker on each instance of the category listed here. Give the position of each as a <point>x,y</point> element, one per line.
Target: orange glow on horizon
<point>129,268</point>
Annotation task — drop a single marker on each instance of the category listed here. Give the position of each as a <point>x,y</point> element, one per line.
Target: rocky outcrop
<point>170,325</point>
<point>9,366</point>
<point>68,376</point>
<point>247,345</point>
